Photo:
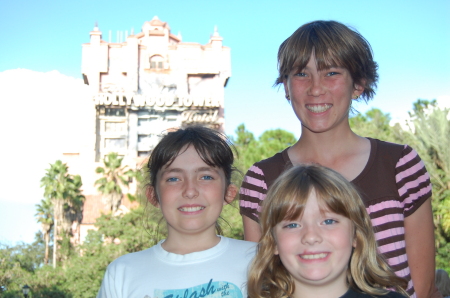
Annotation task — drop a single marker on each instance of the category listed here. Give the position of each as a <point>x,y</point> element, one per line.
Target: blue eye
<point>329,221</point>
<point>300,74</point>
<point>332,73</point>
<point>207,177</point>
<point>292,226</point>
<point>172,179</point>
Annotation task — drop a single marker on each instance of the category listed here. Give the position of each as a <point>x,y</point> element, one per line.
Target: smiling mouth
<point>314,256</point>
<point>191,209</point>
<point>319,108</point>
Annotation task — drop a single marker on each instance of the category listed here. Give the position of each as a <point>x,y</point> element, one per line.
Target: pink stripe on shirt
<point>384,205</point>
<point>256,182</point>
<point>391,246</point>
<point>254,206</point>
<point>414,196</point>
<point>252,193</point>
<point>406,158</point>
<point>388,218</point>
<point>389,233</point>
<point>397,260</point>
<point>256,170</point>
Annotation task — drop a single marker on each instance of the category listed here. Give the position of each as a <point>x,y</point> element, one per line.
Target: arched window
<point>156,62</point>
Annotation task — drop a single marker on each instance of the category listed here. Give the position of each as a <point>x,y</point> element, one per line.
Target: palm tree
<point>44,216</point>
<point>63,190</point>
<point>73,206</point>
<point>114,177</point>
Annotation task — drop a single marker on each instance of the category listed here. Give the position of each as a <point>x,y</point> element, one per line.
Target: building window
<point>114,112</point>
<point>115,127</point>
<point>156,62</point>
<point>143,153</point>
<point>114,144</point>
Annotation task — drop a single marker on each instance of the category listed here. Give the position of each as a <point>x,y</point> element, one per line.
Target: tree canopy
<point>427,131</point>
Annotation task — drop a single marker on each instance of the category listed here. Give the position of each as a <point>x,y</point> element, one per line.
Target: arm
<point>419,238</point>
<point>252,230</point>
<point>252,193</point>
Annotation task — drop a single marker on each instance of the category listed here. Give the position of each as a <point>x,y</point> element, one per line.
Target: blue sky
<point>410,40</point>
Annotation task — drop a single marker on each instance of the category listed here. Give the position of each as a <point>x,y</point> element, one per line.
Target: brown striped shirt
<point>393,184</point>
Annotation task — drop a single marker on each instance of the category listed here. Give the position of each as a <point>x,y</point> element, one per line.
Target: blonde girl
<point>317,241</point>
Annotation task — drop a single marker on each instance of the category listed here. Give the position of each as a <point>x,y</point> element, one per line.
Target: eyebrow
<point>180,170</point>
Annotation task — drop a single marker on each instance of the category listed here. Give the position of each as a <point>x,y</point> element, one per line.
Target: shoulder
<point>275,159</point>
<point>245,247</point>
<point>132,259</point>
<point>351,293</point>
<point>393,150</point>
<point>387,149</point>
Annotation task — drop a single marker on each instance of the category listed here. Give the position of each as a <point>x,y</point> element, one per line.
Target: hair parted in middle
<point>367,272</point>
<point>333,44</point>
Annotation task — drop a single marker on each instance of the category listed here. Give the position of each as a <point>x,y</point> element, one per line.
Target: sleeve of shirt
<point>413,181</point>
<point>108,289</point>
<point>252,193</point>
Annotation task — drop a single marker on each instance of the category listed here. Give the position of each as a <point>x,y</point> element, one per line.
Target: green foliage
<point>63,192</point>
<point>431,131</point>
<point>251,150</point>
<point>231,222</point>
<point>141,228</point>
<point>115,176</point>
<point>429,135</point>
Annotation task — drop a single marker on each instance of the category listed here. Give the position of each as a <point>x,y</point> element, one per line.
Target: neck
<point>319,146</point>
<point>323,291</point>
<point>188,243</point>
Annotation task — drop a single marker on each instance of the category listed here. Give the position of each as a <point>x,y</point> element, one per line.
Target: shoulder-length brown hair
<point>368,272</point>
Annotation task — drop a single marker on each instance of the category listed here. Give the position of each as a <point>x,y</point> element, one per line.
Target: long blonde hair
<point>368,272</point>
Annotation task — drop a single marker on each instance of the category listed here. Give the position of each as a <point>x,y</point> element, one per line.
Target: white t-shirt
<point>218,272</point>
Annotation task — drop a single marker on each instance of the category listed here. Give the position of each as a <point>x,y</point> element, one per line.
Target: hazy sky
<point>410,40</point>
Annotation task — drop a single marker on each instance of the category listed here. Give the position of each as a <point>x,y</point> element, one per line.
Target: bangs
<point>327,203</point>
<point>322,44</point>
<point>212,146</point>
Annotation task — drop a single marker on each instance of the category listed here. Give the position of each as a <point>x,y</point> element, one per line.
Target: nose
<point>311,235</point>
<point>190,190</point>
<point>316,88</point>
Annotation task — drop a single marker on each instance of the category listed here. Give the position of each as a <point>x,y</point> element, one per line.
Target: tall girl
<point>324,66</point>
<point>190,181</point>
<point>317,241</point>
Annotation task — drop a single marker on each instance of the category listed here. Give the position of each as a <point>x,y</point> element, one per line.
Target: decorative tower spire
<point>216,33</point>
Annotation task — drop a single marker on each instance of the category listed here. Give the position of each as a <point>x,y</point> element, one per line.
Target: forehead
<point>188,159</point>
<point>315,203</point>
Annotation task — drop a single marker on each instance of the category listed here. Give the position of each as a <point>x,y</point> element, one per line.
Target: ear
<point>286,89</point>
<point>358,89</point>
<point>230,194</point>
<point>275,252</point>
<point>152,197</point>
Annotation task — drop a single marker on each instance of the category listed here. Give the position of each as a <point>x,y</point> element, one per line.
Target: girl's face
<point>191,194</point>
<point>316,248</point>
<point>321,99</point>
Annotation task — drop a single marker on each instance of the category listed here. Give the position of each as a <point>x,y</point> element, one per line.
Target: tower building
<point>140,86</point>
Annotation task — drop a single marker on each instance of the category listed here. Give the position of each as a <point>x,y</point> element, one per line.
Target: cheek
<point>285,243</point>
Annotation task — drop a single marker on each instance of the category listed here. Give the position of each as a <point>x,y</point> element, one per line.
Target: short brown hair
<point>334,44</point>
<point>213,147</point>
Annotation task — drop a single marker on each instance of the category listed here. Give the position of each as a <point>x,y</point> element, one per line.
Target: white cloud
<point>42,114</point>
